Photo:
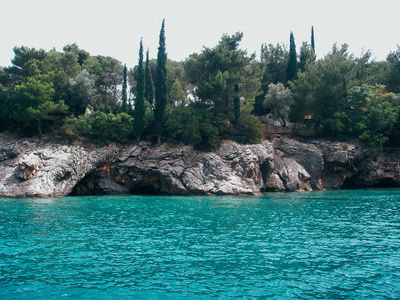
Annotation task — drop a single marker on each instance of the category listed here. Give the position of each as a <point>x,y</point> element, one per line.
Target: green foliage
<point>82,92</point>
<point>149,85</point>
<point>370,115</point>
<point>312,39</point>
<point>192,126</point>
<point>138,124</point>
<point>75,128</point>
<point>236,104</point>
<point>216,71</point>
<point>273,64</point>
<point>81,54</point>
<point>48,110</point>
<point>175,71</point>
<point>42,87</point>
<point>307,133</point>
<point>184,125</point>
<point>306,56</point>
<point>148,119</point>
<point>209,134</point>
<point>177,95</point>
<point>393,74</point>
<point>278,100</point>
<point>249,129</point>
<point>34,103</point>
<point>108,73</point>
<point>259,105</point>
<point>4,111</point>
<point>339,96</point>
<point>23,58</point>
<point>274,60</point>
<point>69,64</point>
<point>213,88</point>
<point>100,128</point>
<point>320,90</point>
<point>227,81</point>
<point>303,96</point>
<point>124,106</point>
<point>106,128</point>
<point>291,70</point>
<point>160,85</point>
<point>395,133</point>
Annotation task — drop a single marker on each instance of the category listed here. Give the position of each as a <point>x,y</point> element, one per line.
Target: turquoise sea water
<point>319,245</point>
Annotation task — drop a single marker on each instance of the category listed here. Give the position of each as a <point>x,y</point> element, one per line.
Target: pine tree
<point>291,70</point>
<point>124,94</point>
<point>312,39</point>
<point>149,86</point>
<point>161,85</point>
<point>138,124</point>
<point>236,104</point>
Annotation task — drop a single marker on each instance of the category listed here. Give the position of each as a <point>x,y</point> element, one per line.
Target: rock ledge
<point>28,169</point>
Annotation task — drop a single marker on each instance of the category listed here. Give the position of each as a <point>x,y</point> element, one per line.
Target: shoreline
<point>51,169</point>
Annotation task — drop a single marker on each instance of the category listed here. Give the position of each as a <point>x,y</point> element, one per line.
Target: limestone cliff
<point>29,169</point>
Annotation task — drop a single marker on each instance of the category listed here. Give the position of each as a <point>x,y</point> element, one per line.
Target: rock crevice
<point>52,170</point>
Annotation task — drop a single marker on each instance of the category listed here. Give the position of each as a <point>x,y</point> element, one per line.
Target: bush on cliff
<point>100,128</point>
<point>249,129</point>
<point>192,126</point>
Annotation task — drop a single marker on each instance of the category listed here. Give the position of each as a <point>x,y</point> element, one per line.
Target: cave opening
<point>145,190</point>
<point>353,183</point>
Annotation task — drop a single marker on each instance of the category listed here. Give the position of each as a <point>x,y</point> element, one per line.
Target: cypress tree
<point>312,39</point>
<point>138,122</point>
<point>124,95</point>
<point>149,86</point>
<point>236,104</point>
<point>259,100</point>
<point>161,85</point>
<point>291,70</point>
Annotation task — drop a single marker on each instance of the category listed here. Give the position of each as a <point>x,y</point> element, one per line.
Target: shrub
<point>307,133</point>
<point>100,128</point>
<point>192,126</point>
<point>250,129</point>
<point>107,128</point>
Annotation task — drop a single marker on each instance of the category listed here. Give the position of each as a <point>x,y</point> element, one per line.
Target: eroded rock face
<point>45,170</point>
<point>49,170</point>
<point>279,165</point>
<point>377,171</point>
<point>181,170</point>
<point>317,165</point>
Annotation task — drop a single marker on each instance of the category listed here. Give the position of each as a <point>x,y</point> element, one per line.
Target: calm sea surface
<point>319,245</point>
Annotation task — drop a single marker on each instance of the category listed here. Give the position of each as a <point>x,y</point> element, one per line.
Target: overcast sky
<point>114,27</point>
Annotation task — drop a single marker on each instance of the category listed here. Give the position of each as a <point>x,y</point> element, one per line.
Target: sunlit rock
<point>29,169</point>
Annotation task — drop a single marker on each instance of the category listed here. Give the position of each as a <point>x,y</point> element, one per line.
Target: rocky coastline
<point>49,169</point>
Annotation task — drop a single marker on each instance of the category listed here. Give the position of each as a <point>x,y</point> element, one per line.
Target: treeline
<point>211,96</point>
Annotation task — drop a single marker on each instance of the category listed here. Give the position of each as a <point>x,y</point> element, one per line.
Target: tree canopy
<point>278,100</point>
<point>213,95</point>
<point>161,85</point>
<point>216,71</point>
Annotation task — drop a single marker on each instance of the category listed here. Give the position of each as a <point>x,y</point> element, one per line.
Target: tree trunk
<point>283,122</point>
<point>40,135</point>
<point>159,139</point>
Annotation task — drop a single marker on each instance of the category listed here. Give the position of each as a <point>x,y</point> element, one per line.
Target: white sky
<point>114,27</point>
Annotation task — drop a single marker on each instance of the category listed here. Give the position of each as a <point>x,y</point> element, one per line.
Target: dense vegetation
<point>211,96</point>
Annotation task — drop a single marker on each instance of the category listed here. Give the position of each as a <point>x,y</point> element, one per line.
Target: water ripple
<point>335,245</point>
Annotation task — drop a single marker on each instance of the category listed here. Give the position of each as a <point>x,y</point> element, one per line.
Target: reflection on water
<point>343,244</point>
